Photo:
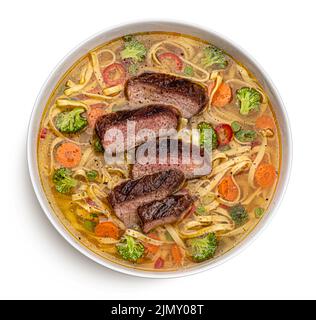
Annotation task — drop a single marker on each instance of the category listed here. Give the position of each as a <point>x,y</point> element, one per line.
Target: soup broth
<point>226,203</point>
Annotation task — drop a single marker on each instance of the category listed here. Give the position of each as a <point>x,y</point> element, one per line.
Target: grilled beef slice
<point>188,97</point>
<point>168,210</point>
<point>129,195</point>
<point>152,117</point>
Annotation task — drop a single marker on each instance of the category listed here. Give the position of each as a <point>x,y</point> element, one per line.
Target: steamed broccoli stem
<point>202,248</point>
<point>63,180</point>
<point>213,56</point>
<point>249,98</point>
<point>71,121</point>
<point>208,136</point>
<point>239,214</point>
<point>130,249</point>
<point>133,49</point>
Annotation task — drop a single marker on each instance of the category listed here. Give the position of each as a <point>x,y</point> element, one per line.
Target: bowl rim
<point>40,103</point>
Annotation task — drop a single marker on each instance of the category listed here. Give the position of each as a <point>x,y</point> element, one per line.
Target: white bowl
<point>184,28</point>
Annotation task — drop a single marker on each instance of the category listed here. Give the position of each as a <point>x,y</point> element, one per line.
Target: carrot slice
<point>107,229</point>
<point>176,254</point>
<point>222,96</point>
<point>228,189</point>
<point>150,248</point>
<point>94,113</point>
<point>68,154</point>
<point>265,175</point>
<point>264,122</point>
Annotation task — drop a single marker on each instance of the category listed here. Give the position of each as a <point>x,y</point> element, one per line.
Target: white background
<point>35,262</point>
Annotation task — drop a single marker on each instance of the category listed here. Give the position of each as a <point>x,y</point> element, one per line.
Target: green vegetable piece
<point>249,99</point>
<point>128,38</point>
<point>238,214</point>
<point>133,49</point>
<point>188,71</point>
<point>71,121</point>
<point>208,136</point>
<point>259,212</point>
<point>224,148</point>
<point>133,69</point>
<point>236,126</point>
<point>213,56</point>
<point>63,180</point>
<point>246,135</point>
<point>92,175</point>
<point>168,236</point>
<point>89,225</point>
<point>130,249</point>
<point>202,248</point>
<point>98,145</point>
<point>200,210</point>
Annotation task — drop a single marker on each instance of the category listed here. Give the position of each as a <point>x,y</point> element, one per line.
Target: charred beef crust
<point>108,121</point>
<point>173,206</point>
<point>171,84</point>
<point>169,180</point>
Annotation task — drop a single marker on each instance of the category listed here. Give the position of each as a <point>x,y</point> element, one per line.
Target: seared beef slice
<point>165,211</point>
<point>188,97</point>
<point>131,194</point>
<point>153,117</point>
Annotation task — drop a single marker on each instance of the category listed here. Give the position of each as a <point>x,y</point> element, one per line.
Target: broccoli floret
<point>98,145</point>
<point>236,126</point>
<point>92,175</point>
<point>202,248</point>
<point>89,225</point>
<point>238,214</point>
<point>213,56</point>
<point>128,38</point>
<point>133,49</point>
<point>259,212</point>
<point>188,71</point>
<point>208,135</point>
<point>246,135</point>
<point>133,69</point>
<point>71,121</point>
<point>130,249</point>
<point>249,98</point>
<point>63,180</point>
<point>201,210</point>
